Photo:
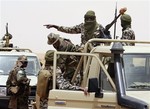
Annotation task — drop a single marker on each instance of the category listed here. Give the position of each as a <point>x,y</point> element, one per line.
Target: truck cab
<point>8,58</point>
<point>117,77</point>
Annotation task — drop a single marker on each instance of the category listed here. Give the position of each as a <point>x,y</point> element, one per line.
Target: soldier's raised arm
<point>48,26</point>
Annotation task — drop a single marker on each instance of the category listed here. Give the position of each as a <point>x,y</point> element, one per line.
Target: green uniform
<point>66,63</point>
<point>88,30</point>
<point>127,32</point>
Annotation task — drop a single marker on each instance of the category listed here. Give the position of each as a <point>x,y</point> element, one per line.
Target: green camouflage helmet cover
<point>49,55</point>
<point>89,13</point>
<point>126,17</point>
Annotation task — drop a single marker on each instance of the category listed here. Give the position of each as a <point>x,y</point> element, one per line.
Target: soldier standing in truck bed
<point>89,29</point>
<point>127,32</point>
<point>67,63</point>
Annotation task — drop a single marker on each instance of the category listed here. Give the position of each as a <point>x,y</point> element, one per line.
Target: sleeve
<point>72,30</point>
<point>8,82</point>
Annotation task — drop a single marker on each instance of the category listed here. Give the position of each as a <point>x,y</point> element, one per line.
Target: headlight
<point>2,91</point>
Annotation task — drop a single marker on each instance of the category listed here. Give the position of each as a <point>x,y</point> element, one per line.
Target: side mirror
<point>94,87</point>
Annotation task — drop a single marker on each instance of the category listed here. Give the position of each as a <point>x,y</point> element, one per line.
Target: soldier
<point>45,80</point>
<point>89,29</point>
<point>18,85</point>
<point>67,63</point>
<point>59,43</point>
<point>127,32</point>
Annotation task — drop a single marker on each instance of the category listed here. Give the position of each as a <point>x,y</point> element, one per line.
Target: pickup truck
<point>117,77</point>
<point>8,58</point>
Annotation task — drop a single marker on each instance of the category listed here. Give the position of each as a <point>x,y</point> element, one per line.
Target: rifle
<point>122,11</point>
<point>105,33</point>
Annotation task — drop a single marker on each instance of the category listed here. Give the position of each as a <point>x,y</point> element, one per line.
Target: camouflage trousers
<point>18,102</point>
<point>43,103</point>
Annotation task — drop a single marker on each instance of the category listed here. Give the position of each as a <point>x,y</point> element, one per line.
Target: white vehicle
<point>117,77</point>
<point>8,58</point>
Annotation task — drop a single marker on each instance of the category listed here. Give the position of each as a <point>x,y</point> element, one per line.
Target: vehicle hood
<point>3,79</point>
<point>141,95</point>
<point>33,81</point>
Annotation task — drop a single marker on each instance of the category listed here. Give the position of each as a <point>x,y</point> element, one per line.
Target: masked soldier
<point>18,85</point>
<point>127,32</point>
<point>89,29</point>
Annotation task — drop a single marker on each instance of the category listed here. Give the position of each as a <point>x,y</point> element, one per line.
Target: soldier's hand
<point>14,89</point>
<point>85,90</point>
<point>48,26</point>
<point>26,81</point>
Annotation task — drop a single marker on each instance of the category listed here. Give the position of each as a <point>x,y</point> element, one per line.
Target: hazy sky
<point>26,18</point>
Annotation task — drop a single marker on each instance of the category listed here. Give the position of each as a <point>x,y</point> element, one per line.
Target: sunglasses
<point>24,62</point>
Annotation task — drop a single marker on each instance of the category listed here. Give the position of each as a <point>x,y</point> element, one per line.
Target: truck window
<point>106,86</point>
<point>7,62</point>
<point>137,69</point>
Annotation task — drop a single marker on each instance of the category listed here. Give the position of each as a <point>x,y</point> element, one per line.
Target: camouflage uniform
<point>18,88</point>
<point>80,29</point>
<point>89,29</point>
<point>64,44</point>
<point>61,82</point>
<point>127,32</point>
<point>66,63</point>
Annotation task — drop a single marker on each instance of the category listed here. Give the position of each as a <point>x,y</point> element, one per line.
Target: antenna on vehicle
<point>115,21</point>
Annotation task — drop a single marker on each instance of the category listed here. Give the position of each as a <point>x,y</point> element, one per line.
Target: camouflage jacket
<point>128,34</point>
<point>65,84</point>
<point>18,100</point>
<point>65,62</point>
<point>66,45</point>
<point>80,29</point>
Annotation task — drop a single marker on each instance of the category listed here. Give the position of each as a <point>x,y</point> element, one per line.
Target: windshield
<point>7,63</point>
<point>137,71</point>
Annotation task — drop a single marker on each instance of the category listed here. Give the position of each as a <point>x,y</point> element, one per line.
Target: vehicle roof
<point>127,49</point>
<point>140,46</point>
<point>16,51</point>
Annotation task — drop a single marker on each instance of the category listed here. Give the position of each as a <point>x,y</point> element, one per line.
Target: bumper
<point>4,101</point>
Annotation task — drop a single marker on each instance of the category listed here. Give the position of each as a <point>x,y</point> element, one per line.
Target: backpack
<point>43,83</point>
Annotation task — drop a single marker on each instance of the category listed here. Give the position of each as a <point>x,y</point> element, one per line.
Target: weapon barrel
<point>122,10</point>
